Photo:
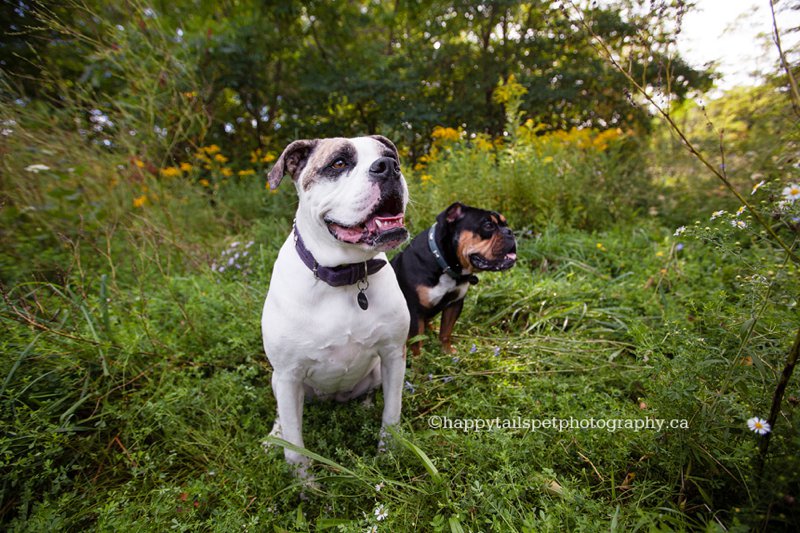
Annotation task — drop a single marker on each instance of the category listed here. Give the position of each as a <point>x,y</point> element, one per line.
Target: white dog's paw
<point>300,466</point>
<point>276,432</point>
<point>276,429</point>
<point>386,441</point>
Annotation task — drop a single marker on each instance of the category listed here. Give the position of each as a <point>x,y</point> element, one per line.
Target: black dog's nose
<point>384,168</point>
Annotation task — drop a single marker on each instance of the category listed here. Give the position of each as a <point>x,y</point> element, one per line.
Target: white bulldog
<point>335,321</point>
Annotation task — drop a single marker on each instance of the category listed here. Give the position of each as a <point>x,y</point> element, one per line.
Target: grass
<point>135,393</point>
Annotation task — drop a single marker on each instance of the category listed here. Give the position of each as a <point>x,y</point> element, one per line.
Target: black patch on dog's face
<point>330,160</point>
<point>341,161</point>
<point>391,149</point>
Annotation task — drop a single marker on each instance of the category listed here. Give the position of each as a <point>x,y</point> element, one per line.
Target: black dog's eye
<point>339,164</point>
<point>488,225</point>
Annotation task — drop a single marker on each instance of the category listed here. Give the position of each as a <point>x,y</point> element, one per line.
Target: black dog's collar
<point>337,276</point>
<point>442,262</point>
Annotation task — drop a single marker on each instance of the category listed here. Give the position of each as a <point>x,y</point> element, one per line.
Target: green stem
<point>795,94</point>
<point>777,397</point>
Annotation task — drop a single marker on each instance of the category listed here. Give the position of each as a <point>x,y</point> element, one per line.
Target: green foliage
<point>581,178</point>
<point>134,394</point>
<point>264,73</point>
<point>750,134</point>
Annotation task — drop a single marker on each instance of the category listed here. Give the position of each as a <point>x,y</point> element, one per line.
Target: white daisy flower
<point>792,192</point>
<point>679,231</point>
<point>379,486</point>
<point>740,210</point>
<point>37,168</point>
<point>759,425</point>
<point>717,214</point>
<point>756,187</point>
<point>739,224</point>
<point>381,513</point>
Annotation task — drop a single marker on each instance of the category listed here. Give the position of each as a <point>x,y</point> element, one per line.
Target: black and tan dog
<point>439,265</point>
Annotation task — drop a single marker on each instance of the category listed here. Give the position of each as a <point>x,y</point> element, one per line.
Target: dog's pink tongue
<point>385,223</point>
<point>346,234</point>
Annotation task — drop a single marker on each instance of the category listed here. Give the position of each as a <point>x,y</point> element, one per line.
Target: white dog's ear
<point>386,142</point>
<point>291,161</point>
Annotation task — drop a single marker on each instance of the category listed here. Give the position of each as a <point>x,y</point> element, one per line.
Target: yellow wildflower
<point>659,254</point>
<point>269,157</point>
<point>508,90</point>
<point>227,172</point>
<point>247,172</point>
<point>212,149</point>
<point>445,135</point>
<point>220,158</point>
<point>186,167</point>
<point>547,159</point>
<point>425,177</point>
<point>483,143</point>
<point>427,158</point>
<point>255,155</point>
<point>138,162</point>
<point>170,172</point>
<point>140,201</point>
<point>601,141</point>
<point>204,182</point>
<point>601,247</point>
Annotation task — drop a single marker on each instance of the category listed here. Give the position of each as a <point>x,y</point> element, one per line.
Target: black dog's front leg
<point>449,316</point>
<point>417,327</point>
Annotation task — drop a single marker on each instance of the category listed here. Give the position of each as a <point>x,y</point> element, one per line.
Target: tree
<point>273,71</point>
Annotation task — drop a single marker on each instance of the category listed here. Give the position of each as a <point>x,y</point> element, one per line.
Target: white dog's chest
<point>342,365</point>
<point>320,335</point>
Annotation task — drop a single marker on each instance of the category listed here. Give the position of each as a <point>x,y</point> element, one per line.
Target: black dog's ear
<point>451,214</point>
<point>386,142</point>
<point>291,162</point>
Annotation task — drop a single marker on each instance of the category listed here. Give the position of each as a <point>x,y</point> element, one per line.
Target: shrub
<point>582,178</point>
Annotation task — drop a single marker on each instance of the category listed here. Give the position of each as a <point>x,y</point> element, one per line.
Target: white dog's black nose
<point>384,168</point>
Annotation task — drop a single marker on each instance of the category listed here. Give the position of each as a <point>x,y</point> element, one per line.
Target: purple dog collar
<point>337,276</point>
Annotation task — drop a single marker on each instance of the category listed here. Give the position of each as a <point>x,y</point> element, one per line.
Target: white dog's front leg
<point>393,371</point>
<point>289,395</point>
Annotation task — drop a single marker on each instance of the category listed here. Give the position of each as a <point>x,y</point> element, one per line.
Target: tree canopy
<point>269,71</point>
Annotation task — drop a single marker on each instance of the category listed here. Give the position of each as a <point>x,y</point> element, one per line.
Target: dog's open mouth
<point>383,228</point>
<point>503,263</point>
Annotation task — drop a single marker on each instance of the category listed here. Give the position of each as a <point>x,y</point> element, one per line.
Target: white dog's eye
<point>339,164</point>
